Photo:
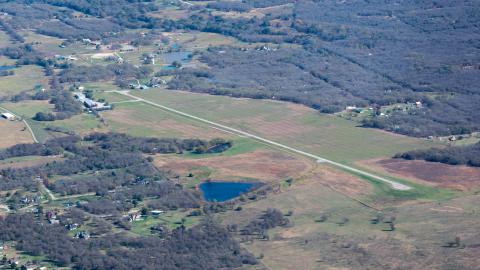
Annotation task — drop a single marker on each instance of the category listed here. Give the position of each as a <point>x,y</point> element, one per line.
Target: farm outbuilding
<point>8,116</point>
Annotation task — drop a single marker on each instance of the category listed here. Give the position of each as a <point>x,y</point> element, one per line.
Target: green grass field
<point>140,119</point>
<point>81,124</point>
<point>110,97</point>
<point>324,135</point>
<point>25,78</point>
<point>28,108</point>
<point>4,40</point>
<point>170,220</point>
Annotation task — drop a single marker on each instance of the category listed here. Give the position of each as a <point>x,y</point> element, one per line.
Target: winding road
<point>395,185</point>
<point>25,122</point>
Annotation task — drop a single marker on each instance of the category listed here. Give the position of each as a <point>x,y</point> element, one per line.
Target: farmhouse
<point>8,116</point>
<point>91,104</point>
<point>157,212</point>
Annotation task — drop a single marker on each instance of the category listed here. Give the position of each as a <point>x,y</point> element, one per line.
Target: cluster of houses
<point>13,263</point>
<point>454,138</point>
<point>88,41</point>
<point>377,108</point>
<point>136,216</point>
<point>52,217</point>
<point>82,235</point>
<point>60,57</point>
<point>153,83</point>
<point>91,104</point>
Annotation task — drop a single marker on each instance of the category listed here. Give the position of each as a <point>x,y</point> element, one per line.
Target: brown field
<point>235,14</point>
<point>256,12</point>
<point>422,230</point>
<point>13,132</point>
<point>268,166</point>
<point>172,14</point>
<point>340,182</point>
<point>28,162</point>
<point>142,120</point>
<point>438,174</point>
<point>264,165</point>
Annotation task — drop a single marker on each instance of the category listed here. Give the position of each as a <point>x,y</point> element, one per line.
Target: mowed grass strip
<point>140,119</point>
<point>325,135</point>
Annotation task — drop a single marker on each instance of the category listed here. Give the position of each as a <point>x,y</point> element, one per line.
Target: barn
<point>8,116</point>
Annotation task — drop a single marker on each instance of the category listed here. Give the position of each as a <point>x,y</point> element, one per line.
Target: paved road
<point>25,122</point>
<point>393,184</point>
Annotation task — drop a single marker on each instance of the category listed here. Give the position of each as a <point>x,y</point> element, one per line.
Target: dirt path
<point>50,193</point>
<point>393,184</point>
<point>25,122</point>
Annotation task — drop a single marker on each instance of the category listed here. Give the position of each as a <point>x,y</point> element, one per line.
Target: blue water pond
<point>2,68</point>
<point>224,191</point>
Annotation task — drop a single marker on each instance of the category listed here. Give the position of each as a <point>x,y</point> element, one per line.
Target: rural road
<point>393,184</point>
<point>49,192</point>
<point>25,122</point>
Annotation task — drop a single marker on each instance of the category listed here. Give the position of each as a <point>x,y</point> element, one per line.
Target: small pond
<point>3,68</point>
<point>224,191</point>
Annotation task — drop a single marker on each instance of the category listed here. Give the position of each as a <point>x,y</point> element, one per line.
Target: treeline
<point>25,54</point>
<point>131,14</point>
<point>248,30</point>
<point>454,155</point>
<point>11,32</point>
<point>294,75</point>
<point>104,152</point>
<point>441,116</point>
<point>205,246</point>
<point>124,142</point>
<point>65,106</point>
<point>356,58</point>
<point>119,72</point>
<point>50,147</point>
<point>115,168</point>
<point>75,29</point>
<point>269,220</point>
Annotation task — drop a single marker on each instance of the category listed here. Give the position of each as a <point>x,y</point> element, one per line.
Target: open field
<point>50,45</point>
<point>359,244</point>
<point>263,165</point>
<point>170,13</point>
<point>194,41</point>
<point>25,78</point>
<point>295,125</point>
<point>442,175</point>
<point>28,108</point>
<point>82,124</point>
<point>4,61</point>
<point>28,161</point>
<point>4,39</point>
<point>384,186</point>
<point>170,220</point>
<point>140,119</point>
<point>256,12</point>
<point>13,132</point>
